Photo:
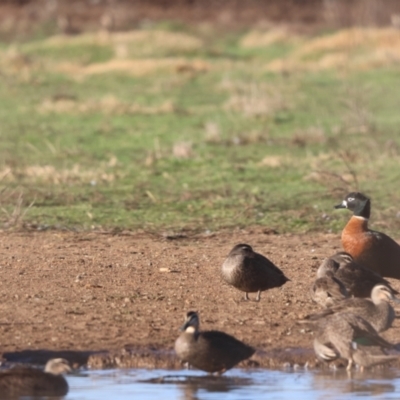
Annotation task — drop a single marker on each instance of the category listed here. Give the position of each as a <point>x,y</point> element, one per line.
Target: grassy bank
<point>174,129</point>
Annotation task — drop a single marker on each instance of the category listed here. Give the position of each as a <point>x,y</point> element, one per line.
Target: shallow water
<point>236,384</point>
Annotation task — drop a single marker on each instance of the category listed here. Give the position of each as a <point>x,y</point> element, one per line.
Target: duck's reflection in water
<point>367,382</point>
<point>318,384</point>
<point>192,385</point>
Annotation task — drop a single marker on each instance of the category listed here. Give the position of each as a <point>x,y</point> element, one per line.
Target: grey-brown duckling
<point>358,280</point>
<point>210,351</point>
<point>346,335</point>
<point>328,291</point>
<point>333,263</point>
<point>251,272</point>
<point>24,381</point>
<point>377,311</point>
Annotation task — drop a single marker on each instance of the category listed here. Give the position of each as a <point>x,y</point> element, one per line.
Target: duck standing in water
<point>349,336</point>
<point>210,351</point>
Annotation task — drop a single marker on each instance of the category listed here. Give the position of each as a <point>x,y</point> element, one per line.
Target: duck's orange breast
<point>356,238</point>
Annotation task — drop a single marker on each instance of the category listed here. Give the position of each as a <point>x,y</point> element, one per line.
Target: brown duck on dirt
<point>377,311</point>
<point>358,280</point>
<point>328,290</point>
<point>251,272</point>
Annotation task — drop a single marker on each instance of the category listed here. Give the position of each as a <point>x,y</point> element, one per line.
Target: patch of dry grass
<point>146,52</point>
<point>139,67</point>
<point>332,179</point>
<point>50,174</point>
<point>109,105</point>
<point>139,43</point>
<point>306,137</point>
<point>154,43</point>
<point>13,216</point>
<point>272,161</point>
<point>15,63</point>
<point>183,150</point>
<point>280,34</point>
<point>349,39</point>
<point>137,53</point>
<point>354,48</point>
<point>212,132</point>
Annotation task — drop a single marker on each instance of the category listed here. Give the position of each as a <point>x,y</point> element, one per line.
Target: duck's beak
<point>343,204</point>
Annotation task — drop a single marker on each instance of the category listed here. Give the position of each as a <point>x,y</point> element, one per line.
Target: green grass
<point>237,146</point>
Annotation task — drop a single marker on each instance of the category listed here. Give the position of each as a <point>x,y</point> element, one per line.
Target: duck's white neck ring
<point>360,217</point>
<point>190,329</point>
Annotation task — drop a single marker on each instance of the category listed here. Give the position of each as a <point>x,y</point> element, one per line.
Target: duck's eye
<point>350,199</point>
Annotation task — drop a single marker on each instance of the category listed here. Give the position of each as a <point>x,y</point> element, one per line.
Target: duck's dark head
<point>241,249</point>
<point>358,203</point>
<point>191,322</point>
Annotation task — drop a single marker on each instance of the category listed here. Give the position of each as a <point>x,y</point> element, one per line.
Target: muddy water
<point>234,385</point>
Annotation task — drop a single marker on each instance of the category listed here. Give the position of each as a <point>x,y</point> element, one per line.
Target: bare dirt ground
<point>128,293</point>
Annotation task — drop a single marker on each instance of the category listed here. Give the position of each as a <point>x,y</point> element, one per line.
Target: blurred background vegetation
<point>198,115</point>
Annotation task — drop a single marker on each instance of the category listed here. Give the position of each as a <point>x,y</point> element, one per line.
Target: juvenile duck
<point>377,311</point>
<point>327,290</point>
<point>25,381</point>
<point>250,272</point>
<point>358,280</point>
<point>373,249</point>
<point>333,263</point>
<point>339,335</point>
<point>210,351</point>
